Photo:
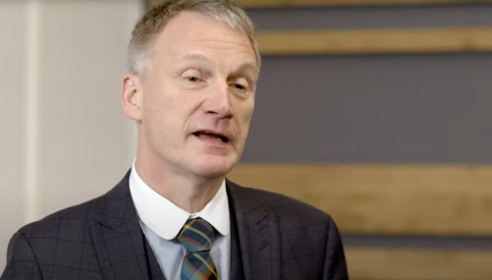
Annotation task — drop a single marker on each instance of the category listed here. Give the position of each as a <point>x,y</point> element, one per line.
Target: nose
<point>218,101</point>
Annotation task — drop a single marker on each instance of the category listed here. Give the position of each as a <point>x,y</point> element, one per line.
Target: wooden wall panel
<point>412,264</point>
<point>386,199</point>
<point>439,40</point>
<point>310,3</point>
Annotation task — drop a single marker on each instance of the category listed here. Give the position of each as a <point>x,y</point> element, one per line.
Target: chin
<point>214,168</point>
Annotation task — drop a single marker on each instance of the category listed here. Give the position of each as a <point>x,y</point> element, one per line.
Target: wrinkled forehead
<point>235,22</point>
<point>189,30</point>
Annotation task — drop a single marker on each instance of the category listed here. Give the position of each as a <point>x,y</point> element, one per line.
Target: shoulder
<point>71,222</point>
<point>60,241</point>
<point>309,237</point>
<point>74,221</point>
<point>287,211</point>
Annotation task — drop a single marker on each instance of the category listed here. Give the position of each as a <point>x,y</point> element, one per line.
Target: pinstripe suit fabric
<point>272,238</point>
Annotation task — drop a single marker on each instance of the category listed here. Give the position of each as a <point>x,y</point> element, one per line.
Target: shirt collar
<point>166,218</point>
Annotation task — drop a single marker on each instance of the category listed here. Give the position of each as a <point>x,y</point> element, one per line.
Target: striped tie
<point>196,236</point>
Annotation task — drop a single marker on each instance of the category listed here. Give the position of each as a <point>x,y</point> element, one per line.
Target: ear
<point>132,97</point>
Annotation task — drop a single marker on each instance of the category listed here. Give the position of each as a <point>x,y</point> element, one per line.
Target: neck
<point>190,193</point>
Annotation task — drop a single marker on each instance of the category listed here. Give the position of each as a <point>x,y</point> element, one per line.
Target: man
<point>190,89</point>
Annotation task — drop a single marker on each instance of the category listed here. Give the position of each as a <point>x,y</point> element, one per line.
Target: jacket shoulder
<point>70,222</point>
<point>309,237</point>
<point>287,209</point>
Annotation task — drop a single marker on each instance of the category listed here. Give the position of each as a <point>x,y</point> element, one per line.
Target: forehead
<point>194,32</point>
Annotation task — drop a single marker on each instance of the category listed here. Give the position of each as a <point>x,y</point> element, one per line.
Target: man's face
<point>198,97</point>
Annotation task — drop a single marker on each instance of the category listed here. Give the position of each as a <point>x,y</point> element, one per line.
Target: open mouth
<point>211,135</point>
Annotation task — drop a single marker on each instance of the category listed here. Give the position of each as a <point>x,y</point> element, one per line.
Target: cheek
<point>151,109</point>
<point>245,112</point>
<point>157,115</point>
<point>159,102</point>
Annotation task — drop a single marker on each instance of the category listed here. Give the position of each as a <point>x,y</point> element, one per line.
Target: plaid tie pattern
<point>196,236</point>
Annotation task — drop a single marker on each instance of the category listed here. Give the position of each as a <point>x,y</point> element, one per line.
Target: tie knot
<point>196,235</point>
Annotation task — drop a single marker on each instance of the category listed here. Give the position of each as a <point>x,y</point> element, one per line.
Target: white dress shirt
<point>161,220</point>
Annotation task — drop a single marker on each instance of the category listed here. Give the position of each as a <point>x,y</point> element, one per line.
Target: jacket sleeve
<point>21,260</point>
<point>335,267</point>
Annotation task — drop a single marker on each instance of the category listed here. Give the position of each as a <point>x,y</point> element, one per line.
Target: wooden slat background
<point>414,264</point>
<point>308,3</point>
<point>446,200</point>
<point>370,41</point>
<point>436,40</point>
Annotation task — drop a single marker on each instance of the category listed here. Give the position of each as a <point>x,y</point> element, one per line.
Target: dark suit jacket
<point>272,237</point>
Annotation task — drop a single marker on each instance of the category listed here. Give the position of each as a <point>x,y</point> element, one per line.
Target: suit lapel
<point>124,253</point>
<point>118,240</point>
<point>236,265</point>
<point>257,236</point>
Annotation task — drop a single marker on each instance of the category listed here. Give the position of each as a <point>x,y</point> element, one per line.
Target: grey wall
<point>384,109</point>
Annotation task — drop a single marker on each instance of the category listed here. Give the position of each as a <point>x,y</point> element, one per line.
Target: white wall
<point>64,138</point>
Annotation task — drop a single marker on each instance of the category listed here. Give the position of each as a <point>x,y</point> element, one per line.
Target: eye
<point>192,79</point>
<point>239,86</point>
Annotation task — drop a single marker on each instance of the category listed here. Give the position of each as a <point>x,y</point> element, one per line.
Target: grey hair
<point>147,29</point>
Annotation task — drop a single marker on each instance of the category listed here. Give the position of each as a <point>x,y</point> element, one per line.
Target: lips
<point>207,134</point>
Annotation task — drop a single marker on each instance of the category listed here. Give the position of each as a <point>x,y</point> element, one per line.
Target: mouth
<point>205,134</point>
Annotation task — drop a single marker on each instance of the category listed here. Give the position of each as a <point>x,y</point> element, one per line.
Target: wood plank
<point>414,264</point>
<point>439,40</point>
<point>328,3</point>
<point>386,199</point>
